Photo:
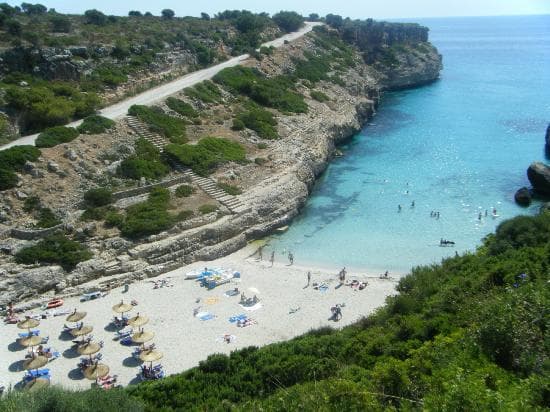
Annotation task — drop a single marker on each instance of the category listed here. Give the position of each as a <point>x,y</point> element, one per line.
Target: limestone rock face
<point>523,197</point>
<point>539,176</point>
<point>414,68</point>
<point>29,283</point>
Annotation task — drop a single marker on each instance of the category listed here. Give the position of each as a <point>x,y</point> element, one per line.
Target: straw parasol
<point>28,323</point>
<point>76,316</point>
<point>122,307</point>
<point>84,330</point>
<point>31,341</point>
<point>35,363</point>
<point>88,348</point>
<point>97,370</point>
<point>142,336</point>
<point>150,355</point>
<point>138,320</point>
<point>37,384</point>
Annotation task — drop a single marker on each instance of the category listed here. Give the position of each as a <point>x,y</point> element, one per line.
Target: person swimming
<point>399,208</point>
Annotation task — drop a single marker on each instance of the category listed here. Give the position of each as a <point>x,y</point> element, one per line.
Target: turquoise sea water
<point>459,146</point>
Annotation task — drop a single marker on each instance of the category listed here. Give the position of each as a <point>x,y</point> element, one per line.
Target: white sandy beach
<point>186,340</point>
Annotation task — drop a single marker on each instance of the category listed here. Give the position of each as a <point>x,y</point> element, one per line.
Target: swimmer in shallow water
<point>398,208</point>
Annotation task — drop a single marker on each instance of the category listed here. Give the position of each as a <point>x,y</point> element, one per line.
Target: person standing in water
<point>291,258</point>
<point>272,258</point>
<point>398,208</point>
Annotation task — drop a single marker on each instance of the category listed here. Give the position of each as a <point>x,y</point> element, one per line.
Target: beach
<point>287,308</point>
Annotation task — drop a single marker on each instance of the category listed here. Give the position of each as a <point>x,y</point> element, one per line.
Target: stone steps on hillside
<point>143,131</point>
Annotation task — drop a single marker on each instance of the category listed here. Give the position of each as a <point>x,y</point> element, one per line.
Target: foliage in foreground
<point>54,249</point>
<point>468,334</point>
<point>13,160</point>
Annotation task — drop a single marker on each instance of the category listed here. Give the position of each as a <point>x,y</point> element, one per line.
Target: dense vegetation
<point>95,124</point>
<point>52,65</point>
<point>468,334</point>
<point>181,107</point>
<point>207,154</point>
<point>159,122</point>
<point>258,119</point>
<point>206,92</point>
<point>13,160</point>
<point>54,249</point>
<point>146,162</point>
<point>56,135</point>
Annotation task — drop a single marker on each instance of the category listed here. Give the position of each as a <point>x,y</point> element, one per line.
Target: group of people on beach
<point>272,256</point>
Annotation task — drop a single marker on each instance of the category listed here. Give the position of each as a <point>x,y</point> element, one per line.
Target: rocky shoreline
<point>308,143</point>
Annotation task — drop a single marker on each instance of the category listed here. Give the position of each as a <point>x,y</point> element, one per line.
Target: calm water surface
<point>460,146</point>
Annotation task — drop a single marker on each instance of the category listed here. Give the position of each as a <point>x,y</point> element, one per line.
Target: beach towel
<point>205,316</point>
<point>323,288</point>
<point>212,300</point>
<point>236,318</point>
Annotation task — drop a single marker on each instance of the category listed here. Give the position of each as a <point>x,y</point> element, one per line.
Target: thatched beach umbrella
<point>37,384</point>
<point>142,336</point>
<point>97,370</point>
<point>88,348</point>
<point>138,320</point>
<point>83,330</point>
<point>122,307</point>
<point>76,316</point>
<point>31,341</point>
<point>28,323</point>
<point>35,362</point>
<point>150,355</point>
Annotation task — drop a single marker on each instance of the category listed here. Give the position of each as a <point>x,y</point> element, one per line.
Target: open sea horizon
<point>459,146</point>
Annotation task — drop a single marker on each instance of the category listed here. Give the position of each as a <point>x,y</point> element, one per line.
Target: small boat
<point>282,229</point>
<point>54,303</point>
<point>91,296</point>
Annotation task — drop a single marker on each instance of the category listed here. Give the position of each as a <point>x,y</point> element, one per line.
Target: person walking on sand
<point>272,258</point>
<point>308,278</point>
<point>260,252</point>
<point>291,258</point>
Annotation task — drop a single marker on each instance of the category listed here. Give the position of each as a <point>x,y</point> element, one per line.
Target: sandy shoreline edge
<point>186,340</point>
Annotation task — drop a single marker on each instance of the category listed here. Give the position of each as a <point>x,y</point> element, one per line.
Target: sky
<point>348,8</point>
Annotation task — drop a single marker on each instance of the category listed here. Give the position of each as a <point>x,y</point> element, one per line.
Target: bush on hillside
<point>207,154</point>
<point>146,162</point>
<point>288,21</point>
<point>100,196</point>
<point>319,96</point>
<point>56,135</point>
<point>207,208</point>
<point>260,120</point>
<point>95,124</point>
<point>230,189</point>
<point>181,107</point>
<point>15,157</point>
<point>205,91</point>
<point>54,249</point>
<point>8,179</point>
<point>184,191</point>
<point>170,127</point>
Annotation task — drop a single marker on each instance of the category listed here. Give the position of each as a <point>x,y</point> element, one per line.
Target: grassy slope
<point>468,334</point>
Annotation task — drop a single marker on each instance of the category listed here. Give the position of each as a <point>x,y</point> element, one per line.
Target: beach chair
<point>37,373</point>
<point>122,334</point>
<point>126,341</point>
<point>24,335</point>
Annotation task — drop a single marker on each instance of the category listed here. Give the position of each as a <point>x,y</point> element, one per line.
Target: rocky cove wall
<point>307,145</point>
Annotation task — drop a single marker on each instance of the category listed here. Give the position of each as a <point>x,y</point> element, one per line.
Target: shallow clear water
<point>460,146</point>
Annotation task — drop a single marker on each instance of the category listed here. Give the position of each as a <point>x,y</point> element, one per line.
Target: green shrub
<point>181,107</point>
<point>205,91</point>
<point>100,196</point>
<point>184,215</point>
<point>185,191</point>
<point>275,92</point>
<point>46,218</point>
<point>288,20</point>
<point>230,189</point>
<point>260,161</point>
<point>31,203</point>
<point>159,122</point>
<point>146,162</point>
<point>207,208</point>
<point>268,51</point>
<point>114,219</point>
<point>15,157</point>
<point>238,124</point>
<point>95,124</point>
<point>262,146</point>
<point>319,96</point>
<point>259,120</point>
<point>95,213</point>
<point>54,249</point>
<point>207,154</point>
<point>8,179</point>
<point>56,135</point>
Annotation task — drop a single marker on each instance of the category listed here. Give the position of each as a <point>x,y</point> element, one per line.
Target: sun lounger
<point>92,296</point>
<point>237,318</point>
<point>206,316</point>
<point>38,373</point>
<point>122,334</point>
<point>127,341</point>
<point>24,335</point>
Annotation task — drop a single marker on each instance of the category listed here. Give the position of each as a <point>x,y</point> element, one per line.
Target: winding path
<point>158,93</point>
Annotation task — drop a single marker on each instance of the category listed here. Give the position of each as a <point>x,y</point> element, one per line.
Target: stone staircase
<point>206,184</point>
<point>143,131</point>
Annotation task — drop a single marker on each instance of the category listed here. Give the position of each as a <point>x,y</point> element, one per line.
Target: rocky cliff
<point>306,146</point>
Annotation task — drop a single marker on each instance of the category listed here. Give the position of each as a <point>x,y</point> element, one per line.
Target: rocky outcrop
<point>539,176</point>
<point>523,197</point>
<point>411,66</point>
<point>547,140</point>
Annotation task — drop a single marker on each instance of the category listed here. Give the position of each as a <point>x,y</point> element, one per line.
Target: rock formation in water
<point>539,176</point>
<point>523,197</point>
